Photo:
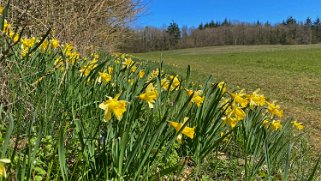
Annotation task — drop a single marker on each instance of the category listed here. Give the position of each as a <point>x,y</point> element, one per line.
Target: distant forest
<point>290,31</point>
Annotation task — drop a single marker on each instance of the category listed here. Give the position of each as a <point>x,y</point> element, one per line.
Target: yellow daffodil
<point>238,112</point>
<point>128,62</point>
<point>187,131</point>
<point>59,63</point>
<point>24,52</point>
<point>179,138</point>
<point>110,70</point>
<point>297,125</point>
<point>95,56</point>
<point>231,121</point>
<point>164,84</point>
<point>133,69</point>
<point>71,54</point>
<point>150,95</point>
<point>141,74</point>
<point>222,86</point>
<point>72,57</point>
<point>175,82</point>
<point>103,77</point>
<point>6,27</point>
<point>197,98</point>
<point>239,98</point>
<point>1,9</point>
<point>266,123</point>
<point>275,109</point>
<point>54,43</point>
<point>153,74</point>
<point>44,46</point>
<point>275,125</point>
<point>115,106</point>
<point>2,167</point>
<point>14,36</point>
<point>85,70</point>
<point>256,99</point>
<point>28,42</point>
<point>68,48</point>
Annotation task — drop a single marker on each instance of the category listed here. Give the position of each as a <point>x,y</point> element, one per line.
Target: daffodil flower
<point>128,62</point>
<point>197,98</point>
<point>54,43</point>
<point>256,99</point>
<point>222,87</point>
<point>275,109</point>
<point>297,125</point>
<point>2,167</point>
<point>113,106</point>
<point>231,121</point>
<point>187,131</point>
<point>175,82</point>
<point>28,42</point>
<point>275,125</point>
<point>133,69</point>
<point>238,112</point>
<point>239,98</point>
<point>141,74</point>
<point>103,77</point>
<point>266,123</point>
<point>150,95</point>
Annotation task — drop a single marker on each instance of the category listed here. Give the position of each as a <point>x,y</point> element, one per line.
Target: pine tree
<point>226,22</point>
<point>174,33</point>
<point>316,31</point>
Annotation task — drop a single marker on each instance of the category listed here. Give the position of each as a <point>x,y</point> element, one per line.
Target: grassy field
<point>110,116</point>
<point>290,74</point>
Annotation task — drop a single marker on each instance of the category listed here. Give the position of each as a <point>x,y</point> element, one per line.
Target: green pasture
<point>290,74</point>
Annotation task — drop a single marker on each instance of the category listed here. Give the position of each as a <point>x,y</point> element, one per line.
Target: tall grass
<point>104,117</point>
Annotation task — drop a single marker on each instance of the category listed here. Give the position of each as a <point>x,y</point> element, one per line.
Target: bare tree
<point>97,23</point>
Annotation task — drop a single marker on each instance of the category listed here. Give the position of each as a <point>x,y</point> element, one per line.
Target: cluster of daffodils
<point>240,103</point>
<point>197,98</point>
<point>26,44</point>
<point>236,104</point>
<point>114,106</point>
<point>171,82</point>
<point>136,96</point>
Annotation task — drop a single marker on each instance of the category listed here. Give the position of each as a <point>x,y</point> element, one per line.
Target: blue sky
<point>192,12</point>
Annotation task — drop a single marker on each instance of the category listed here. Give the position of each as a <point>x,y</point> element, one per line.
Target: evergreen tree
<point>290,21</point>
<point>211,24</point>
<point>174,33</point>
<point>206,25</point>
<point>226,22</point>
<point>308,22</point>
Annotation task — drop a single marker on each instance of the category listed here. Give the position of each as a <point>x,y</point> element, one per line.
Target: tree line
<point>290,31</point>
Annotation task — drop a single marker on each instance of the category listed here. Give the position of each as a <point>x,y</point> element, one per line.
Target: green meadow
<point>67,115</point>
<point>290,74</point>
